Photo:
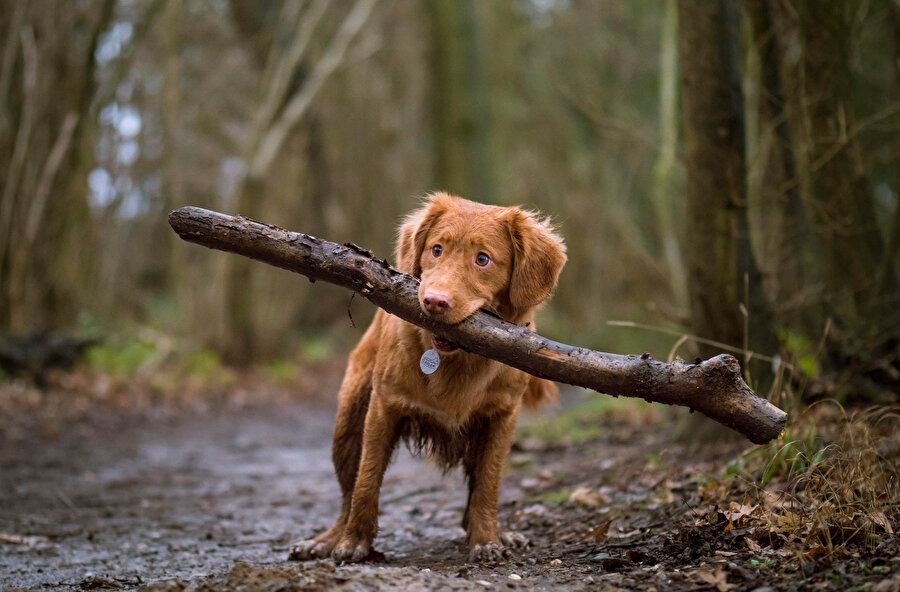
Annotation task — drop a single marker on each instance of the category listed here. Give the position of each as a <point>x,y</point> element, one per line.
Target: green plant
<point>801,350</point>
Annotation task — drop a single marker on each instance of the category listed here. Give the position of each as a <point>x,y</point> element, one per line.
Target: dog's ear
<point>414,230</point>
<point>538,256</point>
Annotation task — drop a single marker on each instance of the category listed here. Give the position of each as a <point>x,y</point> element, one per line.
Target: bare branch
<point>295,109</point>
<point>284,68</point>
<point>54,160</point>
<point>23,136</point>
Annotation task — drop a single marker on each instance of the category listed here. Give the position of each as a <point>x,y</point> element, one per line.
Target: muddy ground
<point>175,497</point>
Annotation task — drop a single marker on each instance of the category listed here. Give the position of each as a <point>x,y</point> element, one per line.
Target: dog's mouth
<point>443,345</point>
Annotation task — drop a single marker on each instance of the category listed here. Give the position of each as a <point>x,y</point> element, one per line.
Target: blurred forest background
<point>725,173</point>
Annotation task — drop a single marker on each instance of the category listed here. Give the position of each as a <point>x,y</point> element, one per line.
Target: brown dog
<point>468,256</point>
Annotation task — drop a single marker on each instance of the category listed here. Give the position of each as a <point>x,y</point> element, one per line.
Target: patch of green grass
<point>315,350</point>
<point>793,453</point>
<point>203,362</point>
<point>737,466</point>
<point>582,421</point>
<point>520,461</point>
<point>552,497</point>
<point>123,359</point>
<point>283,371</point>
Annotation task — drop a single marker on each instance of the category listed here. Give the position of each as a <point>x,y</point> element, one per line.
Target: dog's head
<point>470,256</point>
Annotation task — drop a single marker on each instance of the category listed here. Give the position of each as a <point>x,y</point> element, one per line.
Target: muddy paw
<point>309,549</point>
<point>488,553</point>
<point>514,540</point>
<point>351,550</point>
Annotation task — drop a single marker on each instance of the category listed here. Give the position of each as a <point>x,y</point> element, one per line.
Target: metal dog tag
<point>430,361</point>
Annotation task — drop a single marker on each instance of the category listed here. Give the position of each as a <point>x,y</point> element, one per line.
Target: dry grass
<point>831,482</point>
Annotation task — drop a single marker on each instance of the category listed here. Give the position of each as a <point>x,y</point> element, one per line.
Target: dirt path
<point>190,497</point>
<point>212,502</point>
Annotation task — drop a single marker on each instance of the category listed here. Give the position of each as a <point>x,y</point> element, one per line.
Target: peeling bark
<point>714,386</point>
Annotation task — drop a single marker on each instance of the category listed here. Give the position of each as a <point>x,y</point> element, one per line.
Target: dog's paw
<point>309,549</point>
<point>514,540</point>
<point>351,550</point>
<point>488,553</point>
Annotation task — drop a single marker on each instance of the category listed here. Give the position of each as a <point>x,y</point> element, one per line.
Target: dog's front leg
<point>379,441</point>
<point>486,471</point>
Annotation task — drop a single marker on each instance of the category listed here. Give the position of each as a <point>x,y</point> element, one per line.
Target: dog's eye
<point>482,260</point>
<point>436,250</point>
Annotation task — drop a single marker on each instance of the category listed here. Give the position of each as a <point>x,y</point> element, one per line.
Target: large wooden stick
<point>714,387</point>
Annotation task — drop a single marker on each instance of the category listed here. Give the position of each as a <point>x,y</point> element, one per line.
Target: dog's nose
<point>435,302</point>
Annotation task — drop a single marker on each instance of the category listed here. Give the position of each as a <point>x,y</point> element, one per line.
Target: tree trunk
<point>722,273</point>
<point>460,101</point>
<point>713,387</point>
<point>889,261</point>
<point>787,242</point>
<point>816,39</point>
<point>664,167</point>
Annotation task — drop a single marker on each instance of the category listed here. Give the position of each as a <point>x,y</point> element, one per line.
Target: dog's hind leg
<point>346,447</point>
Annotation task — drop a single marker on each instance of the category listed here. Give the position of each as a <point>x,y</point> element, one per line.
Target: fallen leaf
<point>815,552</point>
<point>752,545</point>
<point>881,519</point>
<point>585,496</point>
<point>719,579</point>
<point>711,490</point>
<point>599,531</point>
<point>737,511</point>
